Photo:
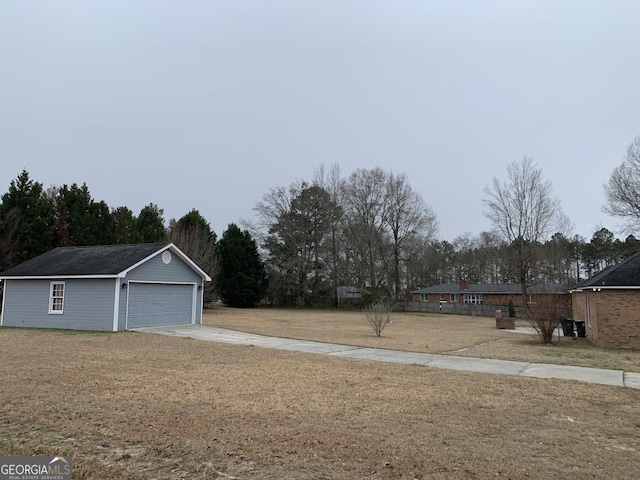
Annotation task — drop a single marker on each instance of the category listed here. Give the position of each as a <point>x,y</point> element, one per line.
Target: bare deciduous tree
<point>273,206</point>
<point>200,246</point>
<point>523,211</point>
<point>623,189</point>
<point>365,207</point>
<point>407,218</point>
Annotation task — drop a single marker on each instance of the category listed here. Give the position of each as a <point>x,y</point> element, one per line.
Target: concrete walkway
<point>451,362</point>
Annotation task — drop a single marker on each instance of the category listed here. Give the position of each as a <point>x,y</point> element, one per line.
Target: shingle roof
<point>93,260</point>
<point>624,274</point>
<point>492,288</point>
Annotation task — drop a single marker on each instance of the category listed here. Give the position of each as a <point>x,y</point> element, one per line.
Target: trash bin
<point>567,326</point>
<point>581,328</point>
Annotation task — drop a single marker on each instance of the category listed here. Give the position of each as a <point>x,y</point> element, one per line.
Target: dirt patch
<point>420,332</point>
<point>137,406</point>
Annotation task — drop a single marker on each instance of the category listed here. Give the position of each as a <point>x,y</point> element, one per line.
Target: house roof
<point>492,288</point>
<point>624,274</point>
<point>93,261</point>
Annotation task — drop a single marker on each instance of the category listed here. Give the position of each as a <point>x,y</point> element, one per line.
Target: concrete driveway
<point>451,362</point>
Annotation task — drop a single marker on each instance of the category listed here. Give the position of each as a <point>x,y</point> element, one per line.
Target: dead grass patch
<point>137,406</point>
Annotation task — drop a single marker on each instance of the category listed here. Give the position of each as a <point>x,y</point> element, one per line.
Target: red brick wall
<point>612,316</point>
<point>431,297</point>
<point>502,299</point>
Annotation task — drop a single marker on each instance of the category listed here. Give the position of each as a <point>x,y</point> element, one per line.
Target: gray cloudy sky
<point>209,104</point>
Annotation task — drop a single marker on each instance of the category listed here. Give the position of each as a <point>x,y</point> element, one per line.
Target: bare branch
<point>622,191</point>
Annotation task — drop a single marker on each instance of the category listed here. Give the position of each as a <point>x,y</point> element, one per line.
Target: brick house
<point>609,303</point>
<point>498,294</point>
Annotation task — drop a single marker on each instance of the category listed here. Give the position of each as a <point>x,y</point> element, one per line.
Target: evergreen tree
<point>241,280</point>
<point>194,221</point>
<point>124,226</point>
<point>78,219</point>
<point>150,224</point>
<point>25,222</point>
<point>299,247</point>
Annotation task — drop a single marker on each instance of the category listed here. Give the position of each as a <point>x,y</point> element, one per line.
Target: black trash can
<point>567,326</point>
<point>581,328</point>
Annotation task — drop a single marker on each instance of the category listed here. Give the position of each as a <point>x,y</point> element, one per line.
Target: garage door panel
<point>153,304</point>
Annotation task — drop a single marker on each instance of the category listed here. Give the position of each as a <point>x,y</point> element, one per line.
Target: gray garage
<point>152,304</point>
<point>106,287</point>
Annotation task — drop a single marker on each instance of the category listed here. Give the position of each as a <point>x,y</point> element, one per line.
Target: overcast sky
<point>210,104</point>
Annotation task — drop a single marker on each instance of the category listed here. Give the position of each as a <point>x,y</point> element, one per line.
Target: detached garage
<point>105,287</point>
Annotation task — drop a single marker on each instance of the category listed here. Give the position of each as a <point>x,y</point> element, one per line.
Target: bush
<point>379,316</point>
<point>544,316</point>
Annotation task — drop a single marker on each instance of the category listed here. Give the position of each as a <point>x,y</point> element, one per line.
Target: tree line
<point>371,230</point>
<point>368,230</point>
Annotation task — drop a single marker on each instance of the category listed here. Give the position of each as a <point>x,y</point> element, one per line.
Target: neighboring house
<point>348,295</point>
<point>487,294</point>
<point>609,303</point>
<point>106,287</point>
<point>348,292</point>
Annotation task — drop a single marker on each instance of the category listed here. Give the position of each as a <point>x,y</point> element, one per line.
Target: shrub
<point>379,316</point>
<point>544,316</point>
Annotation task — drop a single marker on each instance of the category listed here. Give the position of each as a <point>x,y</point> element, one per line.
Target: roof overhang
<point>597,288</point>
<point>56,277</point>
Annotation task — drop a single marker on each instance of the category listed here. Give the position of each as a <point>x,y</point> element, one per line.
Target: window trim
<point>473,299</point>
<point>52,310</point>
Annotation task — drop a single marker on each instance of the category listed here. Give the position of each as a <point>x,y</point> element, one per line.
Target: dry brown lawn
<point>421,332</point>
<point>140,406</point>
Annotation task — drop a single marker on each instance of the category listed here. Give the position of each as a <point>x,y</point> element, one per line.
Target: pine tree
<point>79,219</point>
<point>124,226</point>
<point>25,222</point>
<point>241,280</point>
<point>150,224</point>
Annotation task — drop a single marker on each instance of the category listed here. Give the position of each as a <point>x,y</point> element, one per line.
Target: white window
<point>473,298</point>
<point>56,297</point>
<point>453,297</point>
<point>424,297</point>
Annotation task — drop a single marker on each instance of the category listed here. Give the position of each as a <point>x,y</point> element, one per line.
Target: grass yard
<point>140,406</point>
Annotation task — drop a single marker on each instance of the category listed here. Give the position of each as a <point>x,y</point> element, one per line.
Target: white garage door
<point>152,304</point>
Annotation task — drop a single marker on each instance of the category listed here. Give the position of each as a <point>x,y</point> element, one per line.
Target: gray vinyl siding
<point>155,270</point>
<point>88,304</point>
